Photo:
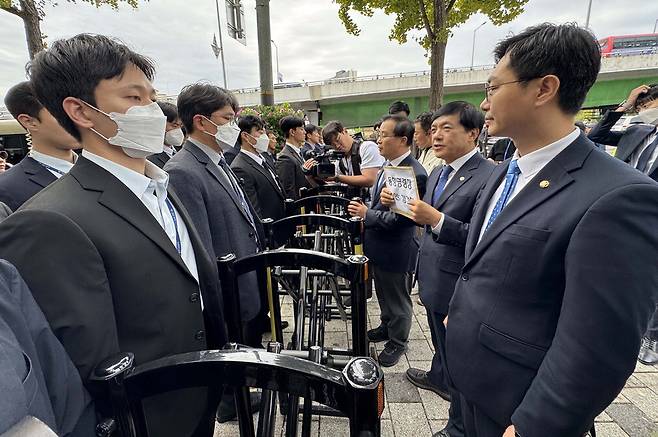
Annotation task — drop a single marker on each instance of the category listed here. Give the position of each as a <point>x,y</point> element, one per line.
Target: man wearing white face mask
<point>259,180</point>
<point>173,135</point>
<point>108,250</point>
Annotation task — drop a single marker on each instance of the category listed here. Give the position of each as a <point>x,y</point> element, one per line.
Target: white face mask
<point>140,131</point>
<point>174,137</point>
<point>227,134</point>
<point>648,116</point>
<point>262,142</point>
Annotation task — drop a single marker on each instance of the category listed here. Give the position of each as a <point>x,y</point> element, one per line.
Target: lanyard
<point>179,248</point>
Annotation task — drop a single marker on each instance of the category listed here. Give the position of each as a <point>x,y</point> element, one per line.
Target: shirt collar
<point>169,150</point>
<point>153,179</point>
<point>298,150</point>
<point>56,163</point>
<point>400,158</point>
<point>254,156</point>
<point>459,162</point>
<point>533,162</point>
<point>214,155</point>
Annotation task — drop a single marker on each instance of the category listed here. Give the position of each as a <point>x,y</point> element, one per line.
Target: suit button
<point>200,335</point>
<point>194,297</point>
<point>465,277</point>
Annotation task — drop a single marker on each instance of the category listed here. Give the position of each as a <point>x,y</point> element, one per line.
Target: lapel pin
<point>544,184</point>
<point>462,178</point>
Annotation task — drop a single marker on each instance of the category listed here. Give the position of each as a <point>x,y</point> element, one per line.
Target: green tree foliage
<point>271,115</point>
<point>431,21</point>
<point>33,11</point>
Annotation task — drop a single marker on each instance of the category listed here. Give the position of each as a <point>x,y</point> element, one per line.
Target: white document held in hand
<point>401,181</point>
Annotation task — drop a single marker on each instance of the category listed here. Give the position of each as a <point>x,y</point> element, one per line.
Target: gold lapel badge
<point>544,184</point>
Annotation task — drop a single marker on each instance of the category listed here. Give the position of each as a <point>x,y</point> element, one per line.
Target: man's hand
<point>386,197</point>
<point>357,209</point>
<point>424,213</point>
<point>309,163</point>
<point>445,322</point>
<point>632,97</point>
<point>510,432</point>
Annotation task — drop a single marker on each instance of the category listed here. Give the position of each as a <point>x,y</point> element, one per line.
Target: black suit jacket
<point>4,211</point>
<point>230,154</point>
<point>159,159</point>
<point>389,237</point>
<point>109,279</point>
<point>441,258</point>
<point>289,168</point>
<point>627,142</point>
<point>23,181</point>
<point>261,188</point>
<point>270,158</point>
<point>546,319</point>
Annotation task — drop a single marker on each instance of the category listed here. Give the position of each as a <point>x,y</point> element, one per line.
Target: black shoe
<point>226,410</point>
<point>442,433</point>
<point>648,352</point>
<point>391,354</point>
<point>378,334</point>
<point>421,379</point>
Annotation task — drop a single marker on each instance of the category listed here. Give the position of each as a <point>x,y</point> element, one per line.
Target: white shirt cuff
<point>437,229</point>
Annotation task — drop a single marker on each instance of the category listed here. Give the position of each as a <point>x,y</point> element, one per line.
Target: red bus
<point>627,45</point>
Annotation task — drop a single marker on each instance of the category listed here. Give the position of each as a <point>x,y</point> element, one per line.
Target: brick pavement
<point>410,412</point>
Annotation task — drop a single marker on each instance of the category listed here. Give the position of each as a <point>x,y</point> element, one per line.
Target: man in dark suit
<point>389,242</point>
<point>51,155</point>
<point>289,163</point>
<point>638,146</point>
<point>173,135</point>
<point>312,143</point>
<point>259,181</point>
<point>546,318</point>
<point>270,154</point>
<point>445,212</point>
<point>109,252</point>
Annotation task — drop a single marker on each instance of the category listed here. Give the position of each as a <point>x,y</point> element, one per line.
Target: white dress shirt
<point>170,151</point>
<point>298,150</point>
<point>636,155</point>
<point>255,156</point>
<point>58,167</point>
<point>456,165</point>
<point>530,165</point>
<point>151,189</point>
<point>214,155</point>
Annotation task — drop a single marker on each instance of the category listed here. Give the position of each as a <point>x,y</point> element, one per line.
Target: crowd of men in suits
<point>538,274</point>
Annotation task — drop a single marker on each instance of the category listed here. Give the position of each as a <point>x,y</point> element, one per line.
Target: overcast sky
<point>312,42</point>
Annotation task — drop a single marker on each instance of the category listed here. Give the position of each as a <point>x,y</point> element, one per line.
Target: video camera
<point>325,167</point>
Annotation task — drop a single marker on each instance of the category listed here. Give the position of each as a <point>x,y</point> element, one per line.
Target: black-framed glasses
<point>489,88</point>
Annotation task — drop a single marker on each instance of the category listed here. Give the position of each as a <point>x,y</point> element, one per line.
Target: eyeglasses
<point>489,88</point>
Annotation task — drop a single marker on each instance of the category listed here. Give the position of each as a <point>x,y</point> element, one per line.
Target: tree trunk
<point>438,52</point>
<point>32,23</point>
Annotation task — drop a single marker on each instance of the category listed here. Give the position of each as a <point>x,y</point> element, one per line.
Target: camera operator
<point>361,159</point>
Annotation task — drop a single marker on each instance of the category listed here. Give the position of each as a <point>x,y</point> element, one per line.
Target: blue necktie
<point>511,177</point>
<point>643,161</point>
<point>441,184</point>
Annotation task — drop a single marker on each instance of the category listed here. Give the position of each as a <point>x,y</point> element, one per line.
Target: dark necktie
<point>643,161</point>
<point>512,176</point>
<point>441,184</point>
<point>238,191</point>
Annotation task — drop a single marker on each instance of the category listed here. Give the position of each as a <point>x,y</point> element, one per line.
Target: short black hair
<point>75,66</point>
<point>310,128</point>
<point>567,51</point>
<point>20,99</point>
<point>399,106</point>
<point>470,117</point>
<point>247,123</point>
<point>203,98</point>
<point>580,125</point>
<point>425,120</point>
<point>650,95</point>
<point>169,110</point>
<point>403,127</point>
<point>331,131</point>
<point>290,122</point>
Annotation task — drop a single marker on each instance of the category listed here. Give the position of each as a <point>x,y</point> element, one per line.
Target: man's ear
<point>78,112</point>
<point>28,122</point>
<point>549,87</point>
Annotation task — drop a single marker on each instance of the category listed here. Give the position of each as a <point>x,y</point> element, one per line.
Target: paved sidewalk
<point>411,412</point>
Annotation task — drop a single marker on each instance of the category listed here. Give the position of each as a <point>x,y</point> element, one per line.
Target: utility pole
<point>264,52</point>
<point>221,44</point>
<point>589,11</point>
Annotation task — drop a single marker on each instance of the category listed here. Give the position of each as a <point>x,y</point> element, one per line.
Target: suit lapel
<point>37,173</point>
<point>431,184</point>
<point>294,155</point>
<point>118,198</point>
<point>633,140</point>
<point>264,172</point>
<point>556,172</point>
<point>487,193</point>
<point>460,178</point>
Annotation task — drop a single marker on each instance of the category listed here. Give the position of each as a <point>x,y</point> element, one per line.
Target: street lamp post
<point>589,11</point>
<point>276,51</point>
<point>473,50</point>
<point>221,45</point>
<point>655,24</point>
